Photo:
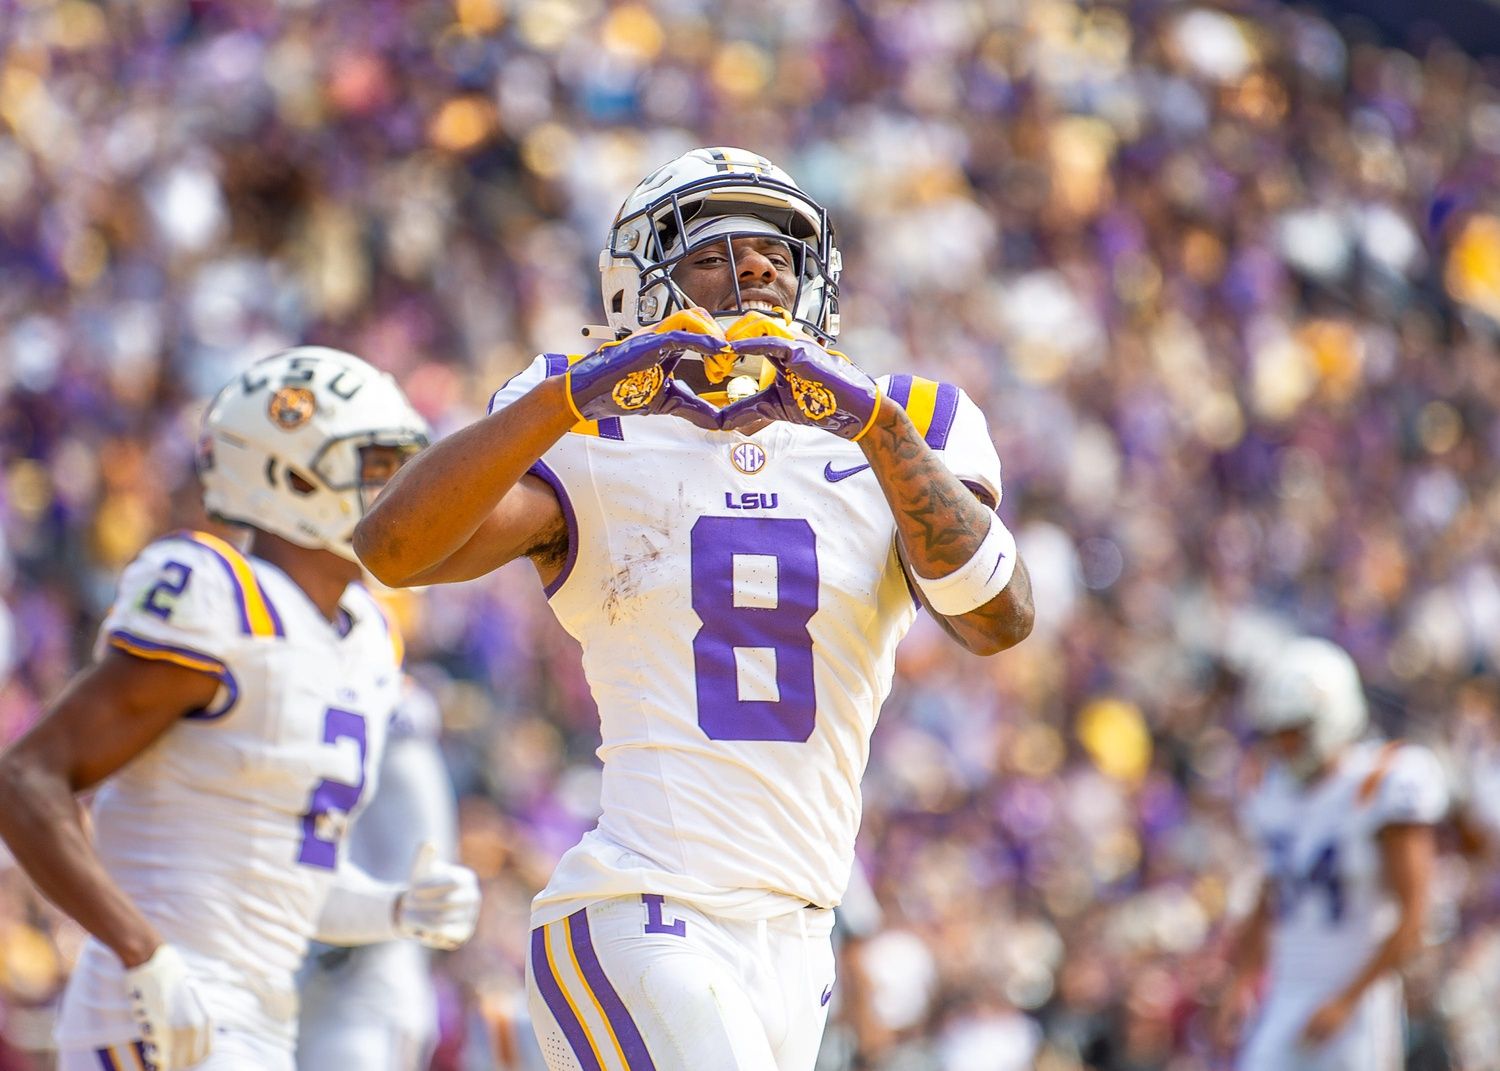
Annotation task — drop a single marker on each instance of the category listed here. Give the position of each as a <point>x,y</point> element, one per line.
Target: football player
<point>1346,830</point>
<point>234,717</point>
<point>739,576</point>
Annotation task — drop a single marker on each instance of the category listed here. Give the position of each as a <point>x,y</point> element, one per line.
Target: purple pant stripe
<point>106,1060</point>
<point>552,994</point>
<point>899,389</point>
<point>944,409</point>
<point>628,1034</point>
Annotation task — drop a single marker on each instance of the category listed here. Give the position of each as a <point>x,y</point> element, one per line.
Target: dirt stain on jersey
<point>624,584</point>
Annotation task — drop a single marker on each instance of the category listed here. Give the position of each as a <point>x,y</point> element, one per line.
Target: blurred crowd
<point>1224,276</point>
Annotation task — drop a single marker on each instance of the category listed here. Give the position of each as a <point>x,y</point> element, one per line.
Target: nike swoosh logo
<point>827,995</point>
<point>833,475</point>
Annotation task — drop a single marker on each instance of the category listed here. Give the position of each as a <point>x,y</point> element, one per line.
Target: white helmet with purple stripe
<point>282,444</point>
<point>705,195</point>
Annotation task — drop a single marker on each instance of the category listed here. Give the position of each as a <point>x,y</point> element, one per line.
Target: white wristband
<point>360,909</point>
<point>977,580</point>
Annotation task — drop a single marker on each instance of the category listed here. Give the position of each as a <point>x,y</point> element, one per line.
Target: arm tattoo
<point>940,524</point>
<point>940,521</point>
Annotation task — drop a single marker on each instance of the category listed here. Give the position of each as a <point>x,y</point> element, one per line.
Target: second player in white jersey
<point>298,724</point>
<point>1346,842</point>
<point>234,718</point>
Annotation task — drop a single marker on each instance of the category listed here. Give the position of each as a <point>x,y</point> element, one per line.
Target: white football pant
<point>652,984</point>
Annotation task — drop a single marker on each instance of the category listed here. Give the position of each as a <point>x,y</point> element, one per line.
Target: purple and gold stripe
<point>622,1027</point>
<point>932,406</point>
<point>130,1057</point>
<point>581,998</point>
<point>152,651</point>
<point>258,616</point>
<point>559,1003</point>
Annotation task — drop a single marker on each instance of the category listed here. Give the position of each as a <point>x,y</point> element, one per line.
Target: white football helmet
<point>1310,684</point>
<point>281,444</point>
<point>755,197</point>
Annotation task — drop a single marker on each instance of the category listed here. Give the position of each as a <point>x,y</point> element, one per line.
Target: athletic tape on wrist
<point>360,910</point>
<point>977,580</point>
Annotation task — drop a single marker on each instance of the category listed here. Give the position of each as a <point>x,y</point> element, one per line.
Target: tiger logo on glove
<point>638,388</point>
<point>815,400</point>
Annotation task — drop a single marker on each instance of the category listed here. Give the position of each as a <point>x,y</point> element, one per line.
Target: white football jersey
<point>227,830</point>
<point>1331,908</point>
<point>739,601</point>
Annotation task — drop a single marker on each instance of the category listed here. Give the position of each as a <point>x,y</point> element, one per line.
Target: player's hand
<point>1327,1021</point>
<point>814,386</point>
<point>440,905</point>
<point>633,377</point>
<point>1229,1017</point>
<point>175,1027</point>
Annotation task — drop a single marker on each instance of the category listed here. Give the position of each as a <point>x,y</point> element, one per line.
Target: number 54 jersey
<point>1331,908</point>
<point>739,600</point>
<point>226,831</point>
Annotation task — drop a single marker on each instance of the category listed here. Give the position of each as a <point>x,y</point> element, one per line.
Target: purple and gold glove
<point>813,386</point>
<point>633,377</point>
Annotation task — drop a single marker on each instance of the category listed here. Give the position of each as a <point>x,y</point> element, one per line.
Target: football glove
<point>440,905</point>
<point>813,386</point>
<point>633,377</point>
<point>175,1027</point>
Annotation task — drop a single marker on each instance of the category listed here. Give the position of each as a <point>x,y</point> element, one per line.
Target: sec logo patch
<point>748,458</point>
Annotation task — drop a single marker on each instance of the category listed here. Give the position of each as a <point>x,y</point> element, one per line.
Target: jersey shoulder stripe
<point>1378,769</point>
<point>258,616</point>
<point>155,651</point>
<point>932,406</point>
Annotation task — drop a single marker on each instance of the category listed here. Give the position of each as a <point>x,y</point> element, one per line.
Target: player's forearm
<point>40,823</point>
<point>941,525</point>
<point>1392,954</point>
<point>1247,957</point>
<point>439,499</point>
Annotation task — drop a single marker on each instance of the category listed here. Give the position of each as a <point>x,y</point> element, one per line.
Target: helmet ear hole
<point>617,303</point>
<point>298,483</point>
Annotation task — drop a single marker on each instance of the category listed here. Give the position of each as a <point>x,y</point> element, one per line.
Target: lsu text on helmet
<point>669,214</point>
<point>281,444</point>
<point>1313,685</point>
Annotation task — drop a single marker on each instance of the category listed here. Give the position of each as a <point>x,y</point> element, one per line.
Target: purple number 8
<point>722,714</point>
<point>330,795</point>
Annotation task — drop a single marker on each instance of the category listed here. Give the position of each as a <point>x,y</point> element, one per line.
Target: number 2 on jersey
<point>162,597</point>
<point>331,795</point>
<point>741,631</point>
